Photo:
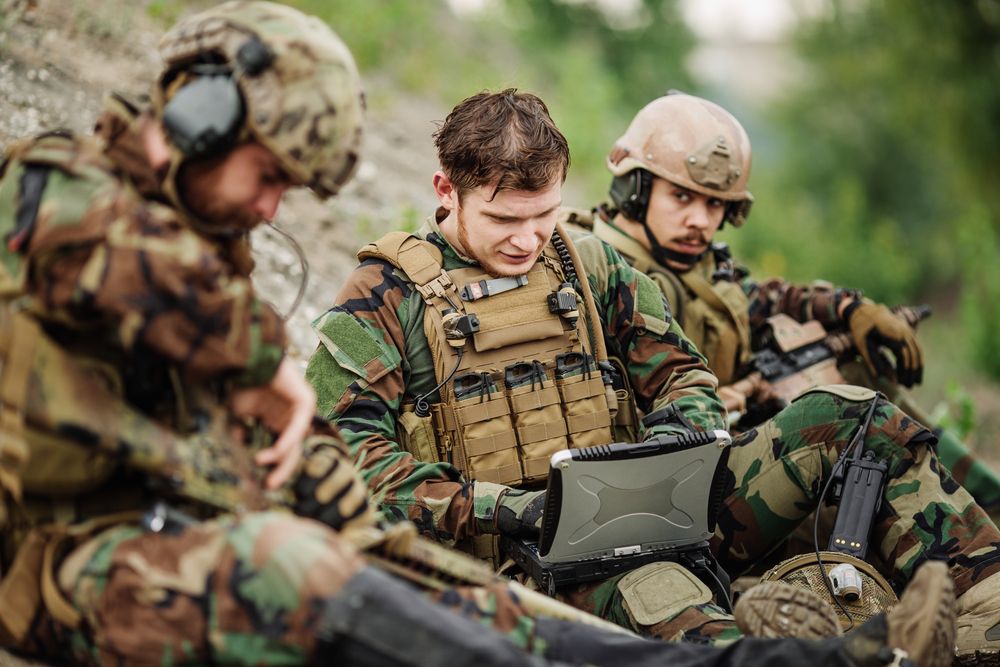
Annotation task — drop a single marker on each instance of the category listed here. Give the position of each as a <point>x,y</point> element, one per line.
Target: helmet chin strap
<point>661,254</point>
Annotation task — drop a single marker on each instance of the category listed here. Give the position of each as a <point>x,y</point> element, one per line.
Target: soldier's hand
<point>519,513</point>
<point>328,488</point>
<point>286,405</point>
<point>734,400</point>
<point>874,327</point>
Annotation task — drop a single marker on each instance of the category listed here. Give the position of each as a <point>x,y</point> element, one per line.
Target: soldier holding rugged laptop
<point>458,359</point>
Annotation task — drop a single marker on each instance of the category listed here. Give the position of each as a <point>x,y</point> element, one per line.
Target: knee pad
<point>657,592</point>
<point>848,392</point>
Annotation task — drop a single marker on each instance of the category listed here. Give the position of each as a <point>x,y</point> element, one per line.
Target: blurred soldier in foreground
<point>138,364</point>
<point>680,173</point>
<point>420,366</point>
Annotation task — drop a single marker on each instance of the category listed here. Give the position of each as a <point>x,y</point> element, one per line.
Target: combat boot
<point>777,609</point>
<point>978,634</point>
<point>920,629</point>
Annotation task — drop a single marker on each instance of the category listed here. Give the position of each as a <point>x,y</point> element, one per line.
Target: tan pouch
<point>416,434</point>
<point>21,591</point>
<point>585,407</point>
<point>540,426</point>
<point>486,446</point>
<point>517,316</point>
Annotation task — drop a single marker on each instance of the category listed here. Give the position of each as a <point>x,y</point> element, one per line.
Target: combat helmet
<point>262,71</point>
<point>853,587</point>
<point>690,142</point>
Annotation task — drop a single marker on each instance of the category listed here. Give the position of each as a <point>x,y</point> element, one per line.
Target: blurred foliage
<point>593,68</point>
<point>957,412</point>
<point>889,159</point>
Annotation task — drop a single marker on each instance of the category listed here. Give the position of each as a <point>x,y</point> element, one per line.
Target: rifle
<point>399,550</point>
<point>793,358</point>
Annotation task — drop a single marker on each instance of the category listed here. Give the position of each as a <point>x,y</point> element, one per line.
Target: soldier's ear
<point>445,190</point>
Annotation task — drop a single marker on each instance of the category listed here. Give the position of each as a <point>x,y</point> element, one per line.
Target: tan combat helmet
<point>262,71</point>
<point>688,141</point>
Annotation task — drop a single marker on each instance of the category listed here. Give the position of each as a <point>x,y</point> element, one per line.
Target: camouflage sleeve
<point>664,366</point>
<point>360,372</point>
<point>818,301</point>
<point>96,255</point>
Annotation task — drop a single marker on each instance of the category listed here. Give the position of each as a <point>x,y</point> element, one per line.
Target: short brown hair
<point>507,138</point>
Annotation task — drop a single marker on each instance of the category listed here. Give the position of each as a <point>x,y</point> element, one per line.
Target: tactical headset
<point>204,117</point>
<point>630,194</point>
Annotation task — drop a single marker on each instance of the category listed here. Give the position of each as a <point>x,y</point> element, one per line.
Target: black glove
<point>873,326</point>
<point>519,513</point>
<point>328,488</point>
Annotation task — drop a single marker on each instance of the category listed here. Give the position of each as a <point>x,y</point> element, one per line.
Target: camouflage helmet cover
<point>803,571</point>
<point>688,141</point>
<point>306,107</point>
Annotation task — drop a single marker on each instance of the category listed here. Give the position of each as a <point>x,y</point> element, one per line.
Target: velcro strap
<point>540,432</point>
<point>13,452</point>
<point>478,412</point>
<point>589,421</point>
<point>488,444</point>
<point>533,400</point>
<point>579,391</point>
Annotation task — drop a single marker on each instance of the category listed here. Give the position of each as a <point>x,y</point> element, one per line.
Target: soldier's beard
<point>198,185</point>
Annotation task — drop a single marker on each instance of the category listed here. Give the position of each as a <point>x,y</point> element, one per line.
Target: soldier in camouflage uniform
<point>717,302</point>
<point>133,348</point>
<point>456,451</point>
<point>680,172</point>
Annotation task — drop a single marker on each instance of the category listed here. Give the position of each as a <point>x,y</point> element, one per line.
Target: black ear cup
<point>204,117</point>
<point>630,193</point>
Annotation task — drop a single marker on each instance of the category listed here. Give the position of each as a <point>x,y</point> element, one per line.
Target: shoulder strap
<point>596,326</point>
<point>579,217</point>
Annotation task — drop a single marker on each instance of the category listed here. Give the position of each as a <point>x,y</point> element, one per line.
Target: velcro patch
<point>657,592</point>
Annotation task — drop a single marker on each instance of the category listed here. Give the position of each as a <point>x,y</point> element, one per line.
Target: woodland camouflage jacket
<point>374,358</point>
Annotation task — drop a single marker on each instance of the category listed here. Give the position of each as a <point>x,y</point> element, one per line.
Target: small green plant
<point>957,412</point>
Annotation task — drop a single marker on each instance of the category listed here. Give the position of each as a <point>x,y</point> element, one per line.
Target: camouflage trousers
<point>776,473</point>
<point>978,478</point>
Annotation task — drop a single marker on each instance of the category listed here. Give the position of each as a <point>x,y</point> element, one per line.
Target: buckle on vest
<point>457,327</point>
<point>565,303</point>
<point>437,287</point>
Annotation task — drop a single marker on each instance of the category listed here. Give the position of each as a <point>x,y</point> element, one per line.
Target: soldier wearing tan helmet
<point>143,515</point>
<point>680,173</point>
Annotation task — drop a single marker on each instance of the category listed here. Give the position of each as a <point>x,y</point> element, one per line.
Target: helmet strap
<point>661,254</point>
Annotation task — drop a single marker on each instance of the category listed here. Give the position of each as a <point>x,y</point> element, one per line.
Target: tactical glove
<point>519,513</point>
<point>666,421</point>
<point>873,326</point>
<point>328,488</point>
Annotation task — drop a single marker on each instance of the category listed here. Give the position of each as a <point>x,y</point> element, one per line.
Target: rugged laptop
<point>612,508</point>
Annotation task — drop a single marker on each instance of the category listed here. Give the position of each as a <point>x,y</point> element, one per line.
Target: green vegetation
<point>887,170</point>
<point>592,70</point>
<point>880,168</point>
